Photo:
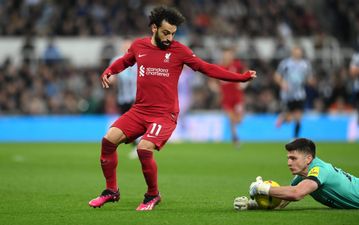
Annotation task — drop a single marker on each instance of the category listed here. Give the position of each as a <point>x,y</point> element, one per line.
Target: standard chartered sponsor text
<point>157,72</point>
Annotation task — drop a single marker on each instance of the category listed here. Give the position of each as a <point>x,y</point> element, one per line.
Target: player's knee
<point>146,145</point>
<point>115,136</point>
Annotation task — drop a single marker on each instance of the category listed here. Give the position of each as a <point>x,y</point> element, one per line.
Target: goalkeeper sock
<point>109,163</point>
<point>149,170</point>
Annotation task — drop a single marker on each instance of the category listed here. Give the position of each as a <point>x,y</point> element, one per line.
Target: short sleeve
<point>318,174</point>
<point>296,180</point>
<point>281,67</point>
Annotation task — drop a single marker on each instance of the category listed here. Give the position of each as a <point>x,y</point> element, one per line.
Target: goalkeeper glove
<point>259,187</point>
<point>243,203</point>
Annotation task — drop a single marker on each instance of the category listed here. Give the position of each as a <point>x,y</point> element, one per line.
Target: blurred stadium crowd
<point>51,85</point>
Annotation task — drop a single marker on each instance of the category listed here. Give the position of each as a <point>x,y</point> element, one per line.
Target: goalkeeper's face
<point>164,34</point>
<point>298,162</point>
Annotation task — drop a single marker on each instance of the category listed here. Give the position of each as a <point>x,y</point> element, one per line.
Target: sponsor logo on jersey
<point>167,57</point>
<point>314,172</point>
<point>142,71</point>
<point>150,71</point>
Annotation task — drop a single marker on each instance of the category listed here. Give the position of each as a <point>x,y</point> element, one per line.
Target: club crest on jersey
<point>167,57</point>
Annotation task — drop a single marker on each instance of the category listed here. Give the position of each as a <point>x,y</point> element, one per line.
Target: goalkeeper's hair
<point>303,145</point>
<point>171,15</point>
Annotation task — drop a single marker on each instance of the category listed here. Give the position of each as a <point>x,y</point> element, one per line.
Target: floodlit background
<point>53,52</point>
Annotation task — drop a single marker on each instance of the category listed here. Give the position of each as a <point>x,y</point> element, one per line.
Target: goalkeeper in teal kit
<point>327,184</point>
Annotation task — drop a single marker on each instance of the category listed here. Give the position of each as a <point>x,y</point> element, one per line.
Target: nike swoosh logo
<point>141,55</point>
<point>150,136</point>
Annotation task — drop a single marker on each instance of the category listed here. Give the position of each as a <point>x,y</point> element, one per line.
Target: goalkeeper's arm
<point>289,193</point>
<point>294,193</point>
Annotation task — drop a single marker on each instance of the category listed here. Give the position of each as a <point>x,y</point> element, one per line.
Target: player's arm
<point>218,72</point>
<point>278,79</point>
<point>117,66</point>
<point>288,193</point>
<point>215,71</point>
<point>294,193</point>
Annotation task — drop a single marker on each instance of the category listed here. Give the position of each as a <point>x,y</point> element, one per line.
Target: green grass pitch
<point>51,183</point>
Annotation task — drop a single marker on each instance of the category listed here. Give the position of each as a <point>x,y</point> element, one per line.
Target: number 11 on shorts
<point>156,128</point>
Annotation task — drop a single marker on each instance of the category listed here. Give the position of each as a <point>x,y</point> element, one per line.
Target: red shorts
<point>232,104</point>
<point>156,129</point>
<point>232,98</point>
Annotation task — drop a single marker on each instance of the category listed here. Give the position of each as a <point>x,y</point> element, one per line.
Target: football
<point>265,201</point>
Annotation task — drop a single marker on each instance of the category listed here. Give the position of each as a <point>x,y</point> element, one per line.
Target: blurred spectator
<point>52,53</point>
<point>67,89</point>
<point>28,50</point>
<point>227,17</point>
<point>108,52</point>
<point>354,72</point>
<point>339,106</point>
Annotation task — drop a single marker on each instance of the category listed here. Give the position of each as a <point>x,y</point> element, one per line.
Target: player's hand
<point>249,75</point>
<point>104,78</point>
<point>243,203</point>
<point>258,187</point>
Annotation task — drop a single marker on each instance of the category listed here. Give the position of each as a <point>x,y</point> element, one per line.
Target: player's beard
<point>161,44</point>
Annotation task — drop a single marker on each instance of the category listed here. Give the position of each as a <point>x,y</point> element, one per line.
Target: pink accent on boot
<point>149,203</point>
<point>106,196</point>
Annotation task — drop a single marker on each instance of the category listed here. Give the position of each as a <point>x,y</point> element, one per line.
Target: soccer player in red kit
<point>153,116</point>
<point>232,94</point>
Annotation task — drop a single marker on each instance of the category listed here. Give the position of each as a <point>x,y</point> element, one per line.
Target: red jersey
<point>158,73</point>
<point>232,92</point>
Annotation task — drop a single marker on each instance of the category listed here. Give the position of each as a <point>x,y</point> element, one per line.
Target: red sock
<point>149,169</point>
<point>109,163</point>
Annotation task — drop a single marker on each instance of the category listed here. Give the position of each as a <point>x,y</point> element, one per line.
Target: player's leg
<point>297,109</point>
<point>145,153</point>
<point>297,117</point>
<point>109,162</point>
<point>233,122</point>
<point>285,116</point>
<point>238,112</point>
<point>229,106</point>
<point>133,152</point>
<point>156,136</point>
<point>127,128</point>
<point>108,159</point>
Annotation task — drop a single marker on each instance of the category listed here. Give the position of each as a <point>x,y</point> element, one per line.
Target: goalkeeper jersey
<point>336,188</point>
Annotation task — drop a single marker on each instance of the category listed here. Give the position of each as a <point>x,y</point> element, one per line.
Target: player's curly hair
<point>171,15</point>
<point>303,145</point>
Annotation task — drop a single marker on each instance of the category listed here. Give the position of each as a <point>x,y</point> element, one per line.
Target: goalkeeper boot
<point>106,196</point>
<point>149,202</point>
